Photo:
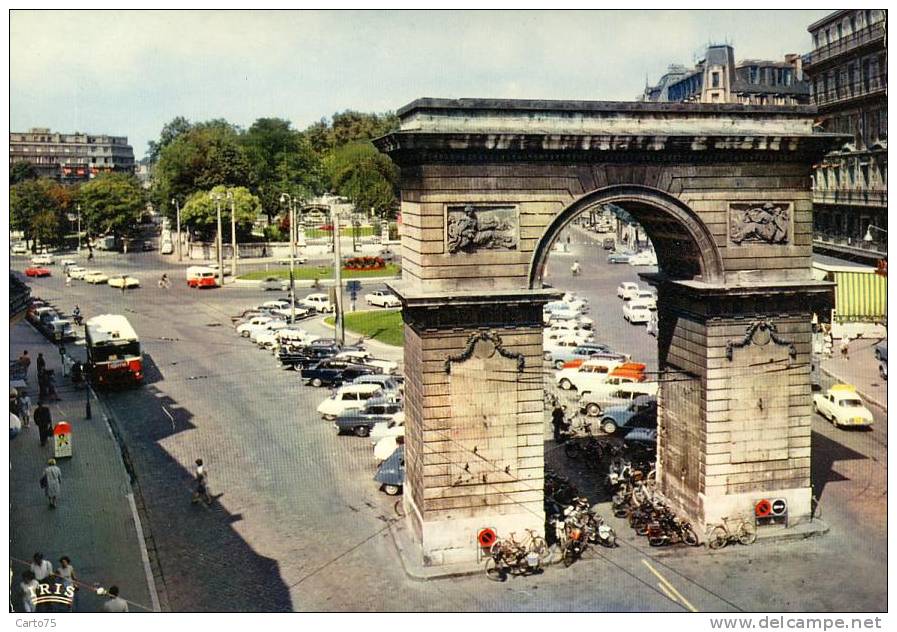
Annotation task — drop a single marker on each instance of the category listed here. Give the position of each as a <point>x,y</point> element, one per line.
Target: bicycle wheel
<point>718,538</point>
<point>494,572</point>
<point>540,547</point>
<point>747,533</point>
<point>689,536</point>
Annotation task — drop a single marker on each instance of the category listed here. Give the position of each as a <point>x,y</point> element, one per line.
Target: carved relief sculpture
<point>760,333</point>
<point>469,229</point>
<point>755,223</point>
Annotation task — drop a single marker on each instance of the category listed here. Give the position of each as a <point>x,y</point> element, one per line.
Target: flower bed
<point>364,263</point>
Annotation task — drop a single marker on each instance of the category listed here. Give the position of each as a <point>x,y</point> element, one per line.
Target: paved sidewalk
<point>94,524</point>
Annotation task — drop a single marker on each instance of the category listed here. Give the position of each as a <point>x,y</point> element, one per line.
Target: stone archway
<point>486,185</point>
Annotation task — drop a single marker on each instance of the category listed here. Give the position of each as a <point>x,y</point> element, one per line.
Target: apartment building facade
<point>71,158</point>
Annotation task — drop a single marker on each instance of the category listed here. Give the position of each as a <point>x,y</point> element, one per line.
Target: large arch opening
<point>684,246</point>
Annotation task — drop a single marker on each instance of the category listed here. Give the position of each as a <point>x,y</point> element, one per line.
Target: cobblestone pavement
<point>93,524</point>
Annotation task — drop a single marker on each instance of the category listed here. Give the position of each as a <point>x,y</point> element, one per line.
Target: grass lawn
<point>309,273</point>
<point>384,325</point>
<point>314,233</point>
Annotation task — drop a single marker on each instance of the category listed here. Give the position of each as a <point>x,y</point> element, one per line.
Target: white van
<point>201,276</point>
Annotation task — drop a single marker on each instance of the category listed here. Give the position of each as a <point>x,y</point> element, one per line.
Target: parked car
<point>128,282</point>
<point>361,421</point>
<point>636,312</point>
<point>552,337</point>
<point>37,271</point>
<point>276,304</point>
<point>842,406</point>
<point>274,283</point>
<point>390,384</point>
<point>627,289</point>
<point>641,412</point>
<point>608,243</point>
<point>382,298</point>
<point>346,398</point>
<point>306,355</point>
<point>615,391</point>
<point>95,277</point>
<point>246,328</point>
<point>643,258</point>
<point>76,272</point>
<point>19,249</point>
<point>391,473</point>
<point>333,371</point>
<point>299,259</point>
<point>272,325</point>
<point>881,351</point>
<point>619,257</point>
<point>167,248</point>
<point>580,305</point>
<point>319,302</point>
<point>364,357</point>
<point>394,427</point>
<point>42,260</point>
<point>65,263</point>
<point>559,355</point>
<point>589,374</point>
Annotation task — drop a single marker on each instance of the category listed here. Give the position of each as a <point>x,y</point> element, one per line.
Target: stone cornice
<point>409,148</point>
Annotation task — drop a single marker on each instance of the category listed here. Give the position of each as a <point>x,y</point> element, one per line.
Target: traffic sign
<point>762,509</point>
<point>486,537</point>
<point>779,507</point>
<point>353,285</point>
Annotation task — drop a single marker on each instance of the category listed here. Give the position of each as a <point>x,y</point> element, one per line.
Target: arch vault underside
<point>724,193</point>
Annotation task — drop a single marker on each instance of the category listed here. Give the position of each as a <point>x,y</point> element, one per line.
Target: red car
<point>37,271</point>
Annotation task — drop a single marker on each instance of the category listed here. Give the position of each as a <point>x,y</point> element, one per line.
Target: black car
<point>334,372</point>
<point>305,356</point>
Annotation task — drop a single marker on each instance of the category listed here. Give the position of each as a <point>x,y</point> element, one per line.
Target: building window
<point>714,78</point>
<point>853,24</point>
<point>840,31</point>
<point>828,36</point>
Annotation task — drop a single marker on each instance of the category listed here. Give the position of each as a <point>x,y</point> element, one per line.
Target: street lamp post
<point>217,198</point>
<point>177,208</point>
<point>85,372</point>
<point>337,273</point>
<point>233,235</point>
<point>79,227</point>
<point>868,237</point>
<point>289,199</point>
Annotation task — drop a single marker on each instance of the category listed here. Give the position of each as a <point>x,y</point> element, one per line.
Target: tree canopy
<point>111,204</point>
<point>200,212</point>
<point>21,171</point>
<point>37,210</point>
<point>365,177</point>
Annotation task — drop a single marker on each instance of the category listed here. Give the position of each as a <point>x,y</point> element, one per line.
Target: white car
<point>552,337</point>
<point>278,304</point>
<point>364,357</point>
<point>382,298</point>
<point>76,272</point>
<point>646,297</point>
<point>256,321</point>
<point>586,375</point>
<point>318,302</point>
<point>635,313</point>
<point>166,248</point>
<point>627,290</point>
<point>616,391</point>
<point>42,260</point>
<point>346,398</point>
<point>65,263</point>
<point>570,326</point>
<point>643,258</point>
<point>384,448</point>
<point>95,277</point>
<point>580,305</point>
<point>271,325</point>
<point>842,406</point>
<point>124,281</point>
<point>274,339</point>
<point>393,428</point>
<point>19,249</point>
<point>299,258</point>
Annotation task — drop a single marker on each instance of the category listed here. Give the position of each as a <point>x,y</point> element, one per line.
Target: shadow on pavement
<point>205,563</point>
<point>825,453</point>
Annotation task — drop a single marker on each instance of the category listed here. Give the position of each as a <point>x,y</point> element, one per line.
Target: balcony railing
<point>853,90</point>
<point>856,197</point>
<point>864,36</point>
<point>847,243</point>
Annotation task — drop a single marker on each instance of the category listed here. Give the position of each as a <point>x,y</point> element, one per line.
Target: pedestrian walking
<point>845,347</point>
<point>29,590</point>
<point>68,279</point>
<point>51,481</point>
<point>49,384</point>
<point>201,480</point>
<point>25,363</point>
<point>41,384</point>
<point>25,409</point>
<point>41,364</point>
<point>66,572</point>
<point>44,421</point>
<point>41,568</point>
<point>115,603</point>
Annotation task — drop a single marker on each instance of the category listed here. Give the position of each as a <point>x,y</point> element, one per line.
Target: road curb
<point>862,392</point>
<point>322,282</point>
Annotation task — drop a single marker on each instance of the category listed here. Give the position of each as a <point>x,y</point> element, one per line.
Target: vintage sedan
<point>842,406</point>
<point>42,260</point>
<point>619,257</point>
<point>640,413</point>
<point>37,271</point>
<point>95,277</point>
<point>124,281</point>
<point>76,272</point>
<point>333,371</point>
<point>275,283</point>
<point>391,473</point>
<point>361,421</point>
<point>382,298</point>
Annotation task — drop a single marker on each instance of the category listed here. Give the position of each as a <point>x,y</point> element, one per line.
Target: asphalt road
<point>302,526</point>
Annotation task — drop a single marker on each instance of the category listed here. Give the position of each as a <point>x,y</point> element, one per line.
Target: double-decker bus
<point>113,351</point>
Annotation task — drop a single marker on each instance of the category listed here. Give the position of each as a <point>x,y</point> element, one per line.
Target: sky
<point>129,72</point>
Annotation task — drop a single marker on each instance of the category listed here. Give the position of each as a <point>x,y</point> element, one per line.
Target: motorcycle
<point>671,530</point>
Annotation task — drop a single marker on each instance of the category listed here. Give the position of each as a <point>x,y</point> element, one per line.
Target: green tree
<point>207,155</point>
<point>34,211</point>
<point>283,161</point>
<point>200,213</point>
<point>111,204</point>
<point>21,171</point>
<point>171,130</point>
<point>366,177</point>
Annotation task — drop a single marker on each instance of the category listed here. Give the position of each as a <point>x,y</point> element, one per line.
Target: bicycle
<point>720,535</point>
<point>517,558</point>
